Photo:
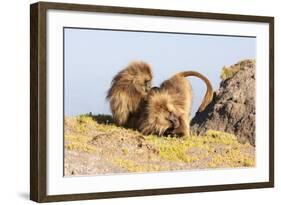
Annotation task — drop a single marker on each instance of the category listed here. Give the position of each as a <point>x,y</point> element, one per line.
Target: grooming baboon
<point>167,110</point>
<point>128,89</point>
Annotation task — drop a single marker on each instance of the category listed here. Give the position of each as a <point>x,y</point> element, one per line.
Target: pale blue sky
<point>93,57</point>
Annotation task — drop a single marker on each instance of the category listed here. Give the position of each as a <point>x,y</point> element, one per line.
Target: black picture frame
<point>38,100</point>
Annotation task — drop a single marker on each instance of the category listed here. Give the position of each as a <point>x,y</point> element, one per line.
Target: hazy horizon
<point>93,57</point>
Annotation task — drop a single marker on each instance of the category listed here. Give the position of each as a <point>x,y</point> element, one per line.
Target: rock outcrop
<point>233,107</point>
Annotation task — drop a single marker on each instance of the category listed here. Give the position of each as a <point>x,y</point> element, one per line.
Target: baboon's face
<point>143,82</point>
<point>174,123</point>
<point>170,122</point>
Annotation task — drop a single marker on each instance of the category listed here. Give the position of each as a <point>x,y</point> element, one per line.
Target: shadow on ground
<point>101,119</point>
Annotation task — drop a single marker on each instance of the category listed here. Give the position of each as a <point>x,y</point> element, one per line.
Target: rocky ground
<point>92,148</point>
<point>233,107</point>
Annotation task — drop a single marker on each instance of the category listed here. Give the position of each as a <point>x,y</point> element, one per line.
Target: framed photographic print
<point>134,102</point>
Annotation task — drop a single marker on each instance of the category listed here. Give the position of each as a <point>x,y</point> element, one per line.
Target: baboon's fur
<point>128,89</point>
<point>167,110</point>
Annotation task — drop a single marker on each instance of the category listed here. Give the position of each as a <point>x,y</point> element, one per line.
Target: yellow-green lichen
<point>221,148</point>
<point>228,72</point>
<point>78,143</point>
<point>212,150</point>
<point>87,123</point>
<point>132,166</point>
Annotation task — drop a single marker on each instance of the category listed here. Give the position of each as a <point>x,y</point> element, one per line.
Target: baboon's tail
<point>209,93</point>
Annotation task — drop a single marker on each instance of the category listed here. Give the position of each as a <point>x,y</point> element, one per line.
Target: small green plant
<point>228,72</point>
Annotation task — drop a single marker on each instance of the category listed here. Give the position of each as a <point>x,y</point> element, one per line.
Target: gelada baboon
<point>128,89</point>
<point>167,109</point>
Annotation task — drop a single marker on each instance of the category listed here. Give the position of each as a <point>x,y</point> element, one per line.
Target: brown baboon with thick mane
<point>167,109</point>
<point>129,88</point>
